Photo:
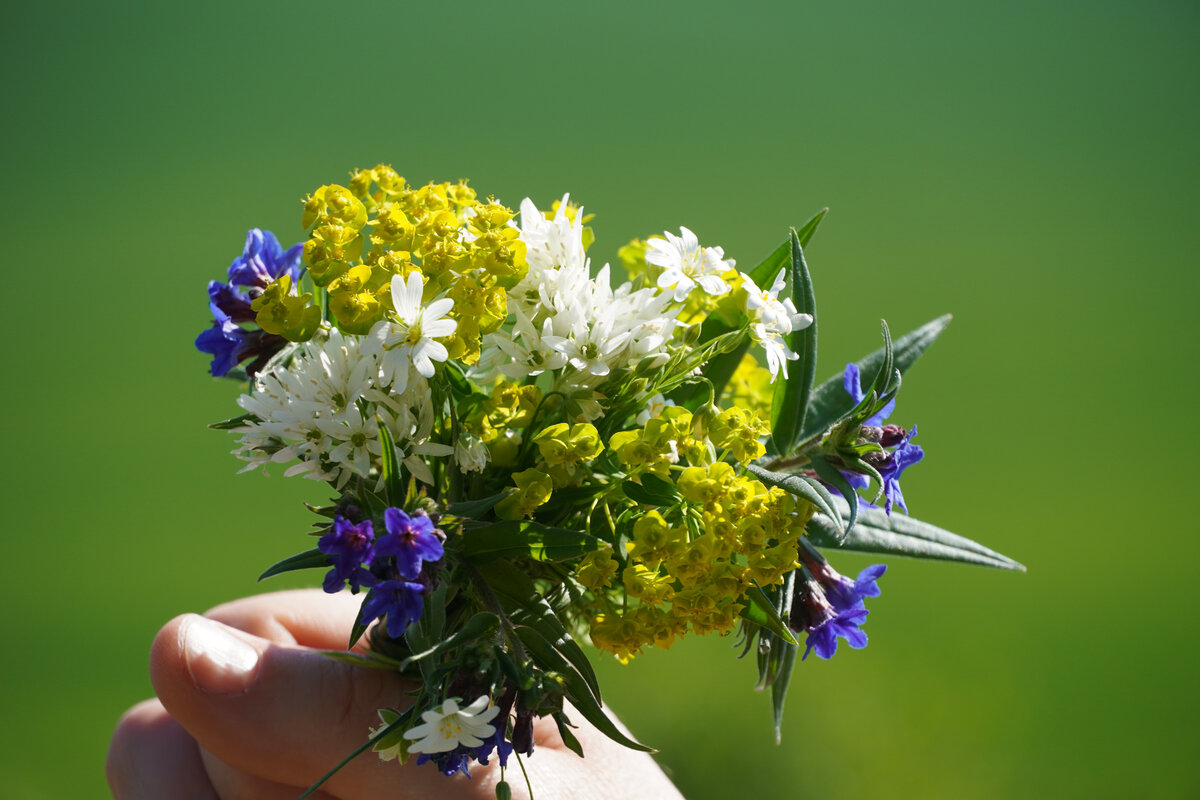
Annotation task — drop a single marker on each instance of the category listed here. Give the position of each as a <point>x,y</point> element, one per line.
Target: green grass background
<point>1030,167</point>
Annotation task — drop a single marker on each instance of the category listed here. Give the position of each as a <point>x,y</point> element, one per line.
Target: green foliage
<point>309,559</point>
<point>789,403</point>
<point>527,539</point>
<point>902,535</point>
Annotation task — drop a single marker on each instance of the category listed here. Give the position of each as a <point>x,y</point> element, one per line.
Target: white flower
<point>407,337</point>
<point>444,730</point>
<point>686,264</point>
<point>471,453</point>
<point>772,320</point>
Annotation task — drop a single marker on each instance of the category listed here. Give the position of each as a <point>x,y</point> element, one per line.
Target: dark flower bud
<point>892,435</point>
<point>810,609</point>
<point>870,433</point>
<point>522,737</point>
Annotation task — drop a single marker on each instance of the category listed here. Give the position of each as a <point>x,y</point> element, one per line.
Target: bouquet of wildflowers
<point>523,458</point>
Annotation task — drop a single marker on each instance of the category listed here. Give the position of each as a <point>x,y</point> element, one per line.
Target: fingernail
<point>218,661</point>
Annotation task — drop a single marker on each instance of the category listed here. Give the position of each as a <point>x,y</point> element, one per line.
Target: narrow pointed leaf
<point>526,605</point>
<point>359,628</point>
<point>802,486</point>
<point>577,690</point>
<point>525,538</point>
<point>647,494</point>
<point>720,369</point>
<point>779,687</point>
<point>762,612</point>
<point>233,422</point>
<point>392,488</point>
<point>309,559</point>
<point>901,535</point>
<point>790,400</point>
<point>829,401</point>
<point>837,480</point>
<point>474,509</point>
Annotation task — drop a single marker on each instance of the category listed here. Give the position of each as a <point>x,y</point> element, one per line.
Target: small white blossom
<point>772,320</point>
<point>442,731</point>
<point>685,264</point>
<point>471,453</point>
<point>408,337</point>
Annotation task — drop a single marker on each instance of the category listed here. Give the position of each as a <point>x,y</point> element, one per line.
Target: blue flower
<point>225,341</point>
<point>900,459</point>
<point>448,763</point>
<point>828,605</point>
<point>890,464</point>
<point>263,260</point>
<point>411,540</point>
<point>851,381</point>
<point>823,638</point>
<point>401,601</point>
<point>351,546</point>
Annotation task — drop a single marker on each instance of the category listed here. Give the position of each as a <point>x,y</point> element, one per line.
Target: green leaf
<point>233,422</point>
<point>659,486</point>
<point>762,612</point>
<point>393,489</point>
<point>779,687</point>
<point>526,605</point>
<point>564,732</point>
<point>526,538</point>
<point>802,486</point>
<point>837,480</point>
<point>648,494</point>
<point>829,402</point>
<point>359,628</point>
<point>577,690</point>
<point>474,509</point>
<point>479,626</point>
<point>363,658</point>
<point>901,535</point>
<point>807,230</point>
<point>309,559</point>
<point>790,400</point>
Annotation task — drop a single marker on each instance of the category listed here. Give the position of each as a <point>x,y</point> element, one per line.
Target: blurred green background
<point>1030,167</point>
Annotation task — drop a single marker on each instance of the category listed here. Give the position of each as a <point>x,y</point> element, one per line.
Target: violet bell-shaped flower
<point>828,606</point>
<point>412,540</point>
<point>352,548</point>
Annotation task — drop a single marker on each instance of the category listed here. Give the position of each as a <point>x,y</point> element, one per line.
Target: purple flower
<point>351,546</point>
<point>823,638</point>
<point>411,540</point>
<point>890,464</point>
<point>400,601</point>
<point>261,262</point>
<point>900,459</point>
<point>496,743</point>
<point>225,341</point>
<point>851,381</point>
<point>828,605</point>
<point>448,764</point>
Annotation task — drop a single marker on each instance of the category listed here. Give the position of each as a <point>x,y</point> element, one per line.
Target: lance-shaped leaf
<point>779,687</point>
<point>902,535</point>
<point>829,401</point>
<point>525,605</point>
<point>526,538</point>
<point>763,613</point>
<point>790,400</point>
<point>474,509</point>
<point>720,369</point>
<point>837,480</point>
<point>393,489</point>
<point>802,486</point>
<point>549,659</point>
<point>309,559</point>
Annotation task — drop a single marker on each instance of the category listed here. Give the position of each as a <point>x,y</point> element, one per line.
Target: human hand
<point>246,708</point>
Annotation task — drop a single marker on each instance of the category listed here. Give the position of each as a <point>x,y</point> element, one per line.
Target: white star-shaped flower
<point>686,264</point>
<point>442,731</point>
<point>407,338</point>
<point>772,320</point>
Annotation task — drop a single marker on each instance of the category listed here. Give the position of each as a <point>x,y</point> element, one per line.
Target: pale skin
<point>247,710</point>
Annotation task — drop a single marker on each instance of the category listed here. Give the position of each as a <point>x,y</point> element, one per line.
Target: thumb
<point>281,712</point>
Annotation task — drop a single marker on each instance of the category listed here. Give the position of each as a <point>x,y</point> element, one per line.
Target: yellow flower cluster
<point>379,227</point>
<point>688,565</point>
<point>750,387</point>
